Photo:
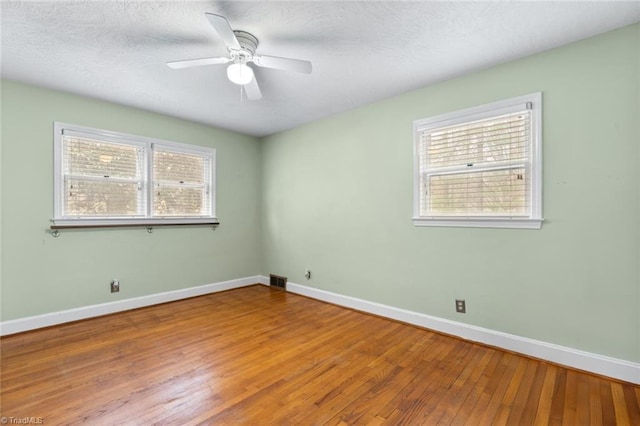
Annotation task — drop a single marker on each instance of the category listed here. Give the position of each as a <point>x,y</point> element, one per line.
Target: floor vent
<point>277,281</point>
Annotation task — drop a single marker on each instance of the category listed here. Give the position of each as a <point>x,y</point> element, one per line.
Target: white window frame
<point>147,144</point>
<point>533,220</point>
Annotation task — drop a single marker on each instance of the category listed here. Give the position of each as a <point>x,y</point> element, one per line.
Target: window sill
<point>479,222</point>
<point>126,223</point>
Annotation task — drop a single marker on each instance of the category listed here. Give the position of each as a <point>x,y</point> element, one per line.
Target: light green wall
<point>42,274</point>
<point>337,198</point>
<point>1,149</point>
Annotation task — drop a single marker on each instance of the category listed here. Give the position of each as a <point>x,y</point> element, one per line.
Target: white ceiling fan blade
<point>198,62</point>
<point>286,64</point>
<point>223,28</point>
<point>252,90</point>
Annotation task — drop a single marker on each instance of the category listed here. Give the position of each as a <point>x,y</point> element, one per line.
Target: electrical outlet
<point>461,306</point>
<point>115,286</point>
<point>307,274</point>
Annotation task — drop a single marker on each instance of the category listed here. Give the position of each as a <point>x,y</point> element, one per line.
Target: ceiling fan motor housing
<point>248,45</point>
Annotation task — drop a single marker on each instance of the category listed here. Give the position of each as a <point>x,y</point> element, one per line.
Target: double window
<point>108,178</point>
<point>480,167</point>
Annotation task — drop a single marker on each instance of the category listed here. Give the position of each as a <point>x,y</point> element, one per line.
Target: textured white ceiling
<point>362,51</point>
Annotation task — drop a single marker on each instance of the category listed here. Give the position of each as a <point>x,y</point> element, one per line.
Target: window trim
<point>494,109</point>
<point>59,221</point>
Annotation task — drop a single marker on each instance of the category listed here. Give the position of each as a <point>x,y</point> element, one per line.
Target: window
<point>480,167</point>
<point>108,178</point>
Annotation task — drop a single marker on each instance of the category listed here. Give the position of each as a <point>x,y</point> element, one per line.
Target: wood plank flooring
<point>265,357</point>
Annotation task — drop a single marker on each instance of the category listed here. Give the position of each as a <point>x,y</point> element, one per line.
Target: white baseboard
<point>599,364</point>
<point>54,318</point>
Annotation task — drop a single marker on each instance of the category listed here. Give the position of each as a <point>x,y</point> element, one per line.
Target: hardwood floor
<point>260,356</point>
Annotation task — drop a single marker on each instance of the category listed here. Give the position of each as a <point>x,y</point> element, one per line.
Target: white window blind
<point>108,178</point>
<point>181,183</point>
<point>102,179</point>
<point>480,167</point>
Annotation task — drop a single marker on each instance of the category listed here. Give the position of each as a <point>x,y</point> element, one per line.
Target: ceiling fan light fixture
<point>241,48</point>
<point>239,73</point>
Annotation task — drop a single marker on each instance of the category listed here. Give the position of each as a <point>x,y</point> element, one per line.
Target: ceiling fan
<point>242,50</point>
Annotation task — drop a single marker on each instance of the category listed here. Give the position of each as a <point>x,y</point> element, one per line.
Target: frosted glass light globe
<point>240,73</point>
